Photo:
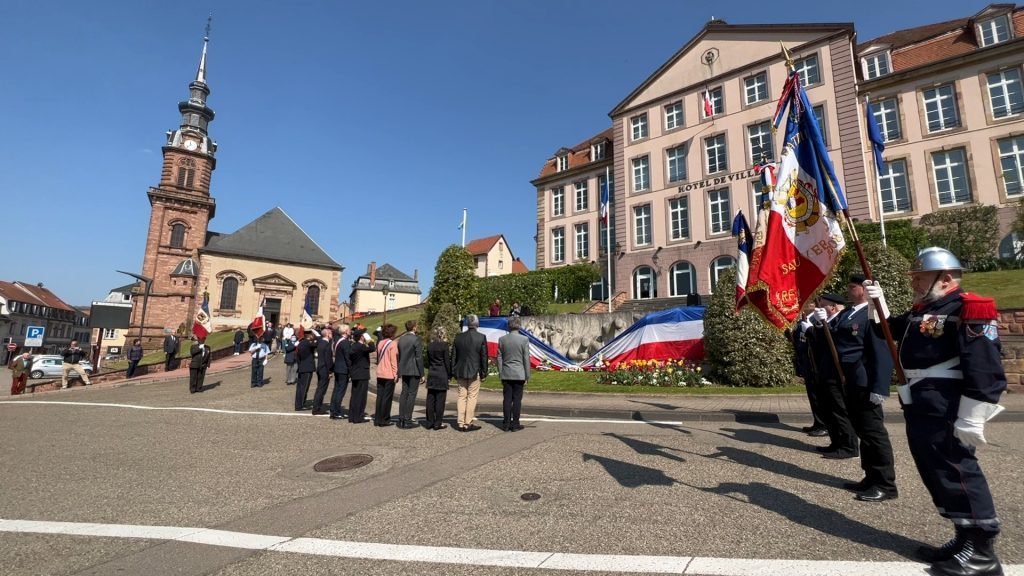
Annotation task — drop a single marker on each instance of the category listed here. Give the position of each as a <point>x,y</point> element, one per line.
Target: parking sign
<point>34,335</point>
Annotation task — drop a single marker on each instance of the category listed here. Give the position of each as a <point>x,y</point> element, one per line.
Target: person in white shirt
<point>259,351</point>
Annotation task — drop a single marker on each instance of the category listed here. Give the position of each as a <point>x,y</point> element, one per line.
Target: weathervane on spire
<point>209,19</point>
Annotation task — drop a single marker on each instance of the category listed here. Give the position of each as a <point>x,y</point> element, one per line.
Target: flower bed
<point>667,374</point>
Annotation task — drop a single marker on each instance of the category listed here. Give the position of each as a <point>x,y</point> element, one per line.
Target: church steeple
<point>195,114</point>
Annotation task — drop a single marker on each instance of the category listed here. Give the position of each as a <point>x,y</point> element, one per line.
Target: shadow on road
<point>209,386</point>
<point>647,448</point>
<point>658,405</point>
<point>768,419</point>
<point>638,417</point>
<point>780,467</point>
<point>631,475</point>
<point>755,436</point>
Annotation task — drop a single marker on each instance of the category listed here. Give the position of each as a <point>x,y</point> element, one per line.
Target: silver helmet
<point>935,259</point>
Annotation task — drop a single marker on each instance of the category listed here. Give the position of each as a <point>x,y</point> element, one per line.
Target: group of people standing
<point>949,354</point>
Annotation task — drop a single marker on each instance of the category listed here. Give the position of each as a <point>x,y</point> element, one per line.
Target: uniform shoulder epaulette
<point>978,307</point>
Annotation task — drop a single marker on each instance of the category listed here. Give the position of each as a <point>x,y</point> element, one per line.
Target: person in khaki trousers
<point>72,356</point>
<point>470,368</point>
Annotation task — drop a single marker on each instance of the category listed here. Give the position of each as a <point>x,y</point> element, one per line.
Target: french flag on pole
<point>202,327</point>
<point>604,202</point>
<point>257,323</point>
<point>709,107</point>
<point>305,322</point>
<point>745,245</point>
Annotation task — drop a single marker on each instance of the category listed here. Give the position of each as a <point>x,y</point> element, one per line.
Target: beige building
<point>949,102</point>
<point>384,286</point>
<point>680,175</point>
<point>493,257</point>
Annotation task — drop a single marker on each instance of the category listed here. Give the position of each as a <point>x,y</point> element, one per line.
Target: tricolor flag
<point>799,241</point>
<point>257,323</point>
<point>201,327</point>
<point>709,107</point>
<point>875,136</point>
<point>605,195</point>
<point>745,245</point>
<point>305,322</point>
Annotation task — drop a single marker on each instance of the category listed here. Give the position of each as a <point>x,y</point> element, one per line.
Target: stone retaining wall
<point>1011,333</point>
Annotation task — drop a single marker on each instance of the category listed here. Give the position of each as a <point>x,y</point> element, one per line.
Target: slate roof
<point>272,236</point>
<point>384,273</point>
<point>389,272</point>
<point>126,289</point>
<point>579,155</point>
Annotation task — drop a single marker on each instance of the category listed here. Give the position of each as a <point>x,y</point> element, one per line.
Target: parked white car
<point>52,365</point>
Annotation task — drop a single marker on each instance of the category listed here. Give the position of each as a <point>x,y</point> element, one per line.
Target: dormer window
<point>597,151</point>
<point>563,163</point>
<point>994,31</point>
<point>875,65</point>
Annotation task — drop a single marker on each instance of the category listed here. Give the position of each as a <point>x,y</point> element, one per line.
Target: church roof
<point>186,267</point>
<point>272,236</point>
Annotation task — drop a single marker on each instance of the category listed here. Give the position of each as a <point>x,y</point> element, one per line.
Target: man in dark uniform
<point>867,369</point>
<point>307,365</point>
<point>949,349</point>
<point>200,354</point>
<point>324,366</point>
<point>342,347</point>
<point>804,366</point>
<point>171,345</point>
<point>842,438</point>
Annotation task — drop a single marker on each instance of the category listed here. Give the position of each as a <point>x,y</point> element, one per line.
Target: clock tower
<point>181,210</point>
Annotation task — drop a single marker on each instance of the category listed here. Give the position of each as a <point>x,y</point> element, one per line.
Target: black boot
<point>977,557</point>
<point>931,554</point>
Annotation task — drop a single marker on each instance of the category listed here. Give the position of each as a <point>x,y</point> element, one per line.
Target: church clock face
<point>190,145</point>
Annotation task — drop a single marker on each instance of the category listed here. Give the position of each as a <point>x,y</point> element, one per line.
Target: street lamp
<point>386,290</point>
<point>145,298</point>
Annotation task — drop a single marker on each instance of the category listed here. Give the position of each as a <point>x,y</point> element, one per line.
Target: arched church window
<point>177,235</point>
<point>229,293</point>
<point>186,172</point>
<point>313,300</point>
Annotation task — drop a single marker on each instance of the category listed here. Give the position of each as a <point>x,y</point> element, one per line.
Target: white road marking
<point>482,557</point>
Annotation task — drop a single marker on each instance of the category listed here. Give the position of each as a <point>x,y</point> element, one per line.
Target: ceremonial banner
<point>201,326</point>
<point>257,323</point>
<point>306,322</point>
<point>744,246</point>
<point>798,239</point>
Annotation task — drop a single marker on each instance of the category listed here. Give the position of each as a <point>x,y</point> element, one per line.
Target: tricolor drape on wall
<point>667,335</point>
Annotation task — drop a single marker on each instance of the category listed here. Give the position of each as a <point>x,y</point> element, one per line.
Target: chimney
<point>416,274</point>
<point>372,271</point>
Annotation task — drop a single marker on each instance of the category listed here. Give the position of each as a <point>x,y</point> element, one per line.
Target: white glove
<point>876,399</point>
<point>970,422</point>
<point>821,314</point>
<point>874,292</point>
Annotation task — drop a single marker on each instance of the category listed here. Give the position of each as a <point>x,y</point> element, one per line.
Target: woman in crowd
<point>387,372</point>
<point>359,372</point>
<point>439,372</point>
<point>291,362</point>
<point>134,356</point>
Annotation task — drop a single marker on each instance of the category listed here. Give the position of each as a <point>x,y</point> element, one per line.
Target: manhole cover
<point>530,496</point>
<point>344,462</point>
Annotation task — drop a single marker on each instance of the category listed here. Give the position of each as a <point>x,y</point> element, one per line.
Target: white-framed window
<point>674,115</point>
<point>760,138</point>
<point>582,195</point>
<point>682,279</point>
<point>994,31</point>
<point>940,108</point>
<point>819,116</point>
<point>717,102</point>
<point>583,241</point>
<point>1005,93</point>
<point>641,174</point>
<point>807,69</point>
<point>755,88</point>
<point>887,114</point>
<point>876,65</point>
<point>597,151</point>
<point>892,184</point>
<point>563,163</point>
<point>719,265</point>
<point>638,126</point>
<point>950,170</point>
<point>558,201</point>
<point>645,285</point>
<point>679,218</point>
<point>715,154</point>
<point>558,244</point>
<point>1011,159</point>
<point>642,225</point>
<point>109,333</point>
<point>675,160</point>
<point>719,211</point>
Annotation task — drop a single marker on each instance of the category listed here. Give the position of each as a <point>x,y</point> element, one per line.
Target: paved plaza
<point>148,479</point>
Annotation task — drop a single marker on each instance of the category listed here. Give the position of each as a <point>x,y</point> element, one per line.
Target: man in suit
<point>867,368</point>
<point>514,371</point>
<point>324,366</point>
<point>842,437</point>
<point>20,367</point>
<point>307,365</point>
<point>171,345</point>
<point>200,353</point>
<point>470,368</point>
<point>410,369</point>
<point>342,347</point>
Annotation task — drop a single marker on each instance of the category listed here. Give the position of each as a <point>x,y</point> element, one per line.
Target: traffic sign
<point>12,347</point>
<point>34,336</point>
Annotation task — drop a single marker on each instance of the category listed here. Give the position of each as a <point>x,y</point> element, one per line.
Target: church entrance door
<point>272,310</point>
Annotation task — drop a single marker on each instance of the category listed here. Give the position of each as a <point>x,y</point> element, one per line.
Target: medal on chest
<point>933,325</point>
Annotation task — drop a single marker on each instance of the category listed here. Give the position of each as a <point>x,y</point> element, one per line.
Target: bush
<point>967,232</point>
<point>888,266</point>
<point>454,283</point>
<point>900,235</point>
<point>536,289</point>
<point>653,373</point>
<point>744,349</point>
<point>447,317</point>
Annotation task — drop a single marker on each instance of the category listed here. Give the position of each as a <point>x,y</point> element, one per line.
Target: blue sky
<point>373,124</point>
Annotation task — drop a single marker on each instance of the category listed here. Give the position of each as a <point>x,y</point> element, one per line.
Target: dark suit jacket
<point>470,359</point>
<point>359,361</point>
<point>342,349</point>
<point>440,366</point>
<point>307,364</point>
<point>863,353</point>
<point>410,355</point>
<point>171,344</point>
<point>324,355</point>
<point>199,361</point>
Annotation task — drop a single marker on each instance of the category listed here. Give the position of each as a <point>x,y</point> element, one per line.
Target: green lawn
<point>586,382</point>
<point>1006,286</point>
<point>397,317</point>
<point>215,341</point>
<point>568,308</point>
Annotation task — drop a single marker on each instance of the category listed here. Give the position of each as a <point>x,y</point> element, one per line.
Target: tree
<point>454,283</point>
<point>888,266</point>
<point>900,235</point>
<point>968,232</point>
<point>744,349</point>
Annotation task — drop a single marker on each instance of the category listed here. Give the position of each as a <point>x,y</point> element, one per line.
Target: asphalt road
<point>711,497</point>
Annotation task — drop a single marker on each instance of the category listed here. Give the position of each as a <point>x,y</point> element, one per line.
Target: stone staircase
<point>642,307</point>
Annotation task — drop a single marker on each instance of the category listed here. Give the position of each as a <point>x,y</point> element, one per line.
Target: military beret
<point>857,279</point>
<point>834,298</point>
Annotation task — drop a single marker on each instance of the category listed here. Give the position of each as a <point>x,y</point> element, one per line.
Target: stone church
<point>269,261</point>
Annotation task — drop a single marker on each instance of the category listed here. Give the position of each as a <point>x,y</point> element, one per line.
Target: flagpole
<point>608,233</point>
<point>464,227</point>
